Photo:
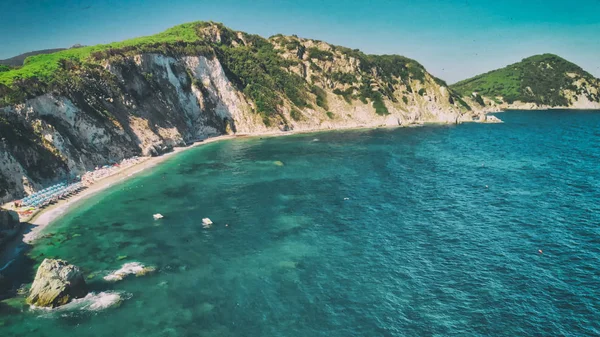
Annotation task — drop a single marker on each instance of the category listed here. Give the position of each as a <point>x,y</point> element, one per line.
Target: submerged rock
<point>56,283</point>
<point>131,268</point>
<point>5,285</point>
<point>206,222</point>
<point>96,302</point>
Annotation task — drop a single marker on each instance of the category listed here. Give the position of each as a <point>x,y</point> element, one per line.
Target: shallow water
<point>439,236</point>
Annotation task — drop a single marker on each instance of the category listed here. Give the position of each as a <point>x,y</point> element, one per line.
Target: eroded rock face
<point>146,104</point>
<point>8,220</point>
<point>56,283</point>
<point>9,225</point>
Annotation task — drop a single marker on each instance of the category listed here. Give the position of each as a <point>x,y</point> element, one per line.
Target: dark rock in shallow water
<point>9,225</point>
<point>8,219</point>
<point>56,283</point>
<point>5,285</point>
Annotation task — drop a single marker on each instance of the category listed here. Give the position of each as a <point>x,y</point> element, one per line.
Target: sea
<point>440,230</point>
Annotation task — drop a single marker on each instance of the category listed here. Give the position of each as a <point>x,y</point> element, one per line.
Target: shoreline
<point>45,217</point>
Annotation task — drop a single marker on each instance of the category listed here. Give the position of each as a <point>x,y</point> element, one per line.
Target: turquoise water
<point>439,236</point>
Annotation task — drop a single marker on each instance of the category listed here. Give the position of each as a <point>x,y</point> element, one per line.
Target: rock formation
<point>131,268</point>
<point>9,225</point>
<point>143,99</point>
<point>56,283</point>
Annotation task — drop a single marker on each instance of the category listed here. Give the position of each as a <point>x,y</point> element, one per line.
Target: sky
<point>453,39</point>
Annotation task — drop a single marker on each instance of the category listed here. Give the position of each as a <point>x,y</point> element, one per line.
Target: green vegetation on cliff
<point>44,66</point>
<point>255,65</point>
<point>258,72</point>
<point>539,79</point>
<point>252,64</point>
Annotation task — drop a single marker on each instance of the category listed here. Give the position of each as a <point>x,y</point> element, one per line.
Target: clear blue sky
<point>452,39</point>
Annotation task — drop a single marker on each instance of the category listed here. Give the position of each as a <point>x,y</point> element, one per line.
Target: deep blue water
<point>440,236</point>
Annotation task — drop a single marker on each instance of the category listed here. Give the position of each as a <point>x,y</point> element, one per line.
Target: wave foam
<point>91,302</point>
<point>130,268</point>
<point>95,302</point>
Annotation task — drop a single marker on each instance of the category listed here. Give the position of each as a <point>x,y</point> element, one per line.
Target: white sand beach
<point>45,216</point>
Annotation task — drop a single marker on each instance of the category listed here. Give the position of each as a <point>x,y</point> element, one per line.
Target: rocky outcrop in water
<point>131,268</point>
<point>56,283</point>
<point>9,225</point>
<point>5,285</point>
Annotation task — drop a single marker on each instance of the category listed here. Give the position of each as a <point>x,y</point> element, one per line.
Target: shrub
<point>343,78</point>
<point>321,97</point>
<point>323,55</point>
<point>479,100</point>
<point>266,121</point>
<point>314,67</point>
<point>330,114</point>
<point>292,45</point>
<point>296,114</point>
<point>463,103</point>
<point>379,105</point>
<point>348,94</point>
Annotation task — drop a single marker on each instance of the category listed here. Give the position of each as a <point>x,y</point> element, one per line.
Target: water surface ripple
<point>439,236</point>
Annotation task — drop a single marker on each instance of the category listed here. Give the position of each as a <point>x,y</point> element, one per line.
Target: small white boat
<point>206,222</point>
<point>157,216</point>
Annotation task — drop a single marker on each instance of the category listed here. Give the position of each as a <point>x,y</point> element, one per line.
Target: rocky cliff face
<point>144,103</point>
<point>146,106</point>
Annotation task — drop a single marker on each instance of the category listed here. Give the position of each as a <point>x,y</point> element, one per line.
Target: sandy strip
<point>45,216</point>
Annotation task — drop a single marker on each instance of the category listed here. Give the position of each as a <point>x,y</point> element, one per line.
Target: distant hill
<point>543,80</point>
<point>18,60</point>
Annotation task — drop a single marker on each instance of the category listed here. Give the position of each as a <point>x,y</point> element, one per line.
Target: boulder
<point>131,268</point>
<point>9,226</point>
<point>56,283</point>
<point>9,220</point>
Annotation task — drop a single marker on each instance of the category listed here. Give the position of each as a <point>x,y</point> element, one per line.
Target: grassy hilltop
<point>541,79</point>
